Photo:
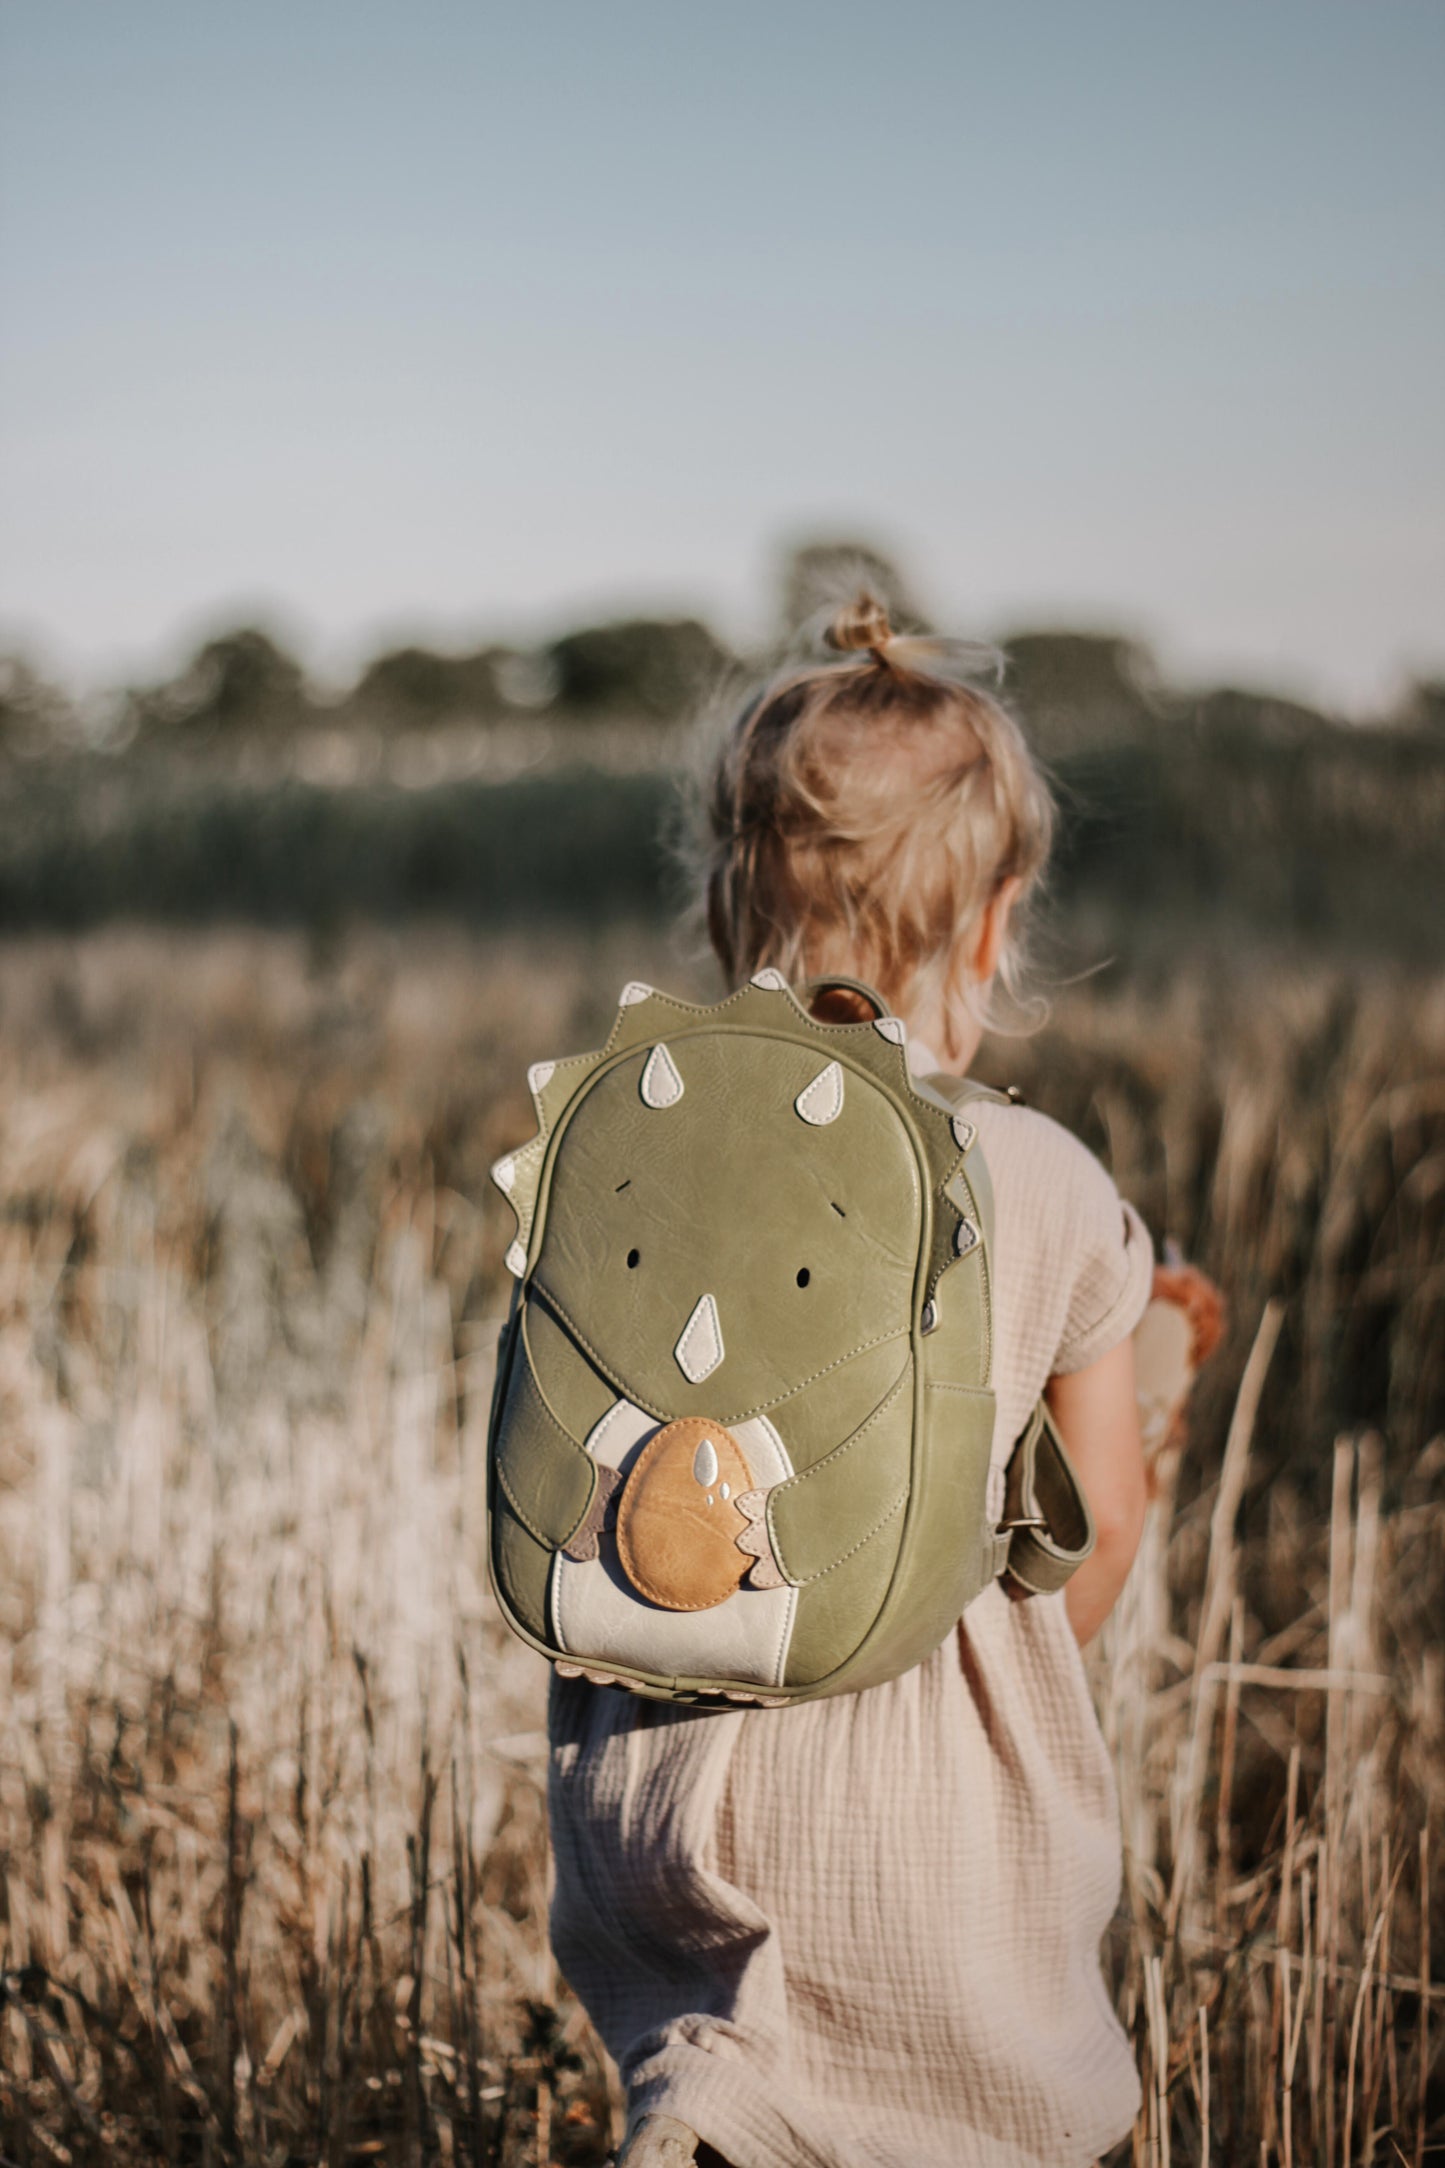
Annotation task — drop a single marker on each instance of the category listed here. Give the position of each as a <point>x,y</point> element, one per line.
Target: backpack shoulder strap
<point>955,1092</point>
<point>1047,1530</point>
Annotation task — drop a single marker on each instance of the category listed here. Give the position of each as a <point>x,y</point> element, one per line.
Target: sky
<point>382,319</point>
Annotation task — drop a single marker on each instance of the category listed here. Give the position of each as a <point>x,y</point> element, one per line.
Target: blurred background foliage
<point>512,783</point>
<point>274,960</point>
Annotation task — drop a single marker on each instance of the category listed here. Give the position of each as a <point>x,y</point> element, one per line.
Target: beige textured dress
<point>864,1933</point>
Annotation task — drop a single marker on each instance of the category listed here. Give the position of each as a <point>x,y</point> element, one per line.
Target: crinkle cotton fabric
<point>864,1932</point>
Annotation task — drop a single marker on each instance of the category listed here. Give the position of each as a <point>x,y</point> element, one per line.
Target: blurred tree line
<point>1076,691</point>
<point>1235,813</point>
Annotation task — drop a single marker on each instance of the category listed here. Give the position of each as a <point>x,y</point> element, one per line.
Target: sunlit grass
<point>272,1864</point>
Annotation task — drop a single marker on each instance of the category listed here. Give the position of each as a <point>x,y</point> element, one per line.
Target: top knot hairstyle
<point>861,624</point>
<point>865,807</point>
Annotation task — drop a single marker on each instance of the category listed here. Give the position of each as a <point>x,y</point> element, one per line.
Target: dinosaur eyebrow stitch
<point>840,1212</point>
<point>622,1186</point>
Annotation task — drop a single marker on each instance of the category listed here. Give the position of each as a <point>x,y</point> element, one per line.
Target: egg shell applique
<point>677,1524</point>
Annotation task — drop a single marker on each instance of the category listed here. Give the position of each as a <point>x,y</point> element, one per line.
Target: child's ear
<point>992,927</point>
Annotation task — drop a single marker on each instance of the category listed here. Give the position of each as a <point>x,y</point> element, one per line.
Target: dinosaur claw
<point>767,1573</point>
<point>756,1541</point>
<point>582,1544</point>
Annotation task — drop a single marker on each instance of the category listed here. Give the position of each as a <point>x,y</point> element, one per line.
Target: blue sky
<point>443,319</point>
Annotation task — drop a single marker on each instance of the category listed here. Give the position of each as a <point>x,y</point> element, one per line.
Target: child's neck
<point>939,1039</point>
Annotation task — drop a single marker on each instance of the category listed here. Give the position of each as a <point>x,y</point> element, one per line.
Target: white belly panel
<point>599,1618</point>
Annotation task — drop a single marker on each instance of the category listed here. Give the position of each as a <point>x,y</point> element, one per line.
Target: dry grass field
<point>272,1859</point>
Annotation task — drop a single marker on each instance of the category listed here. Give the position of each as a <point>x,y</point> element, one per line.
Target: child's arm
<point>1120,1415</point>
<point>1097,1412</point>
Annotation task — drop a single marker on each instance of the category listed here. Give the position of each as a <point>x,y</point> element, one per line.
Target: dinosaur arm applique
<point>582,1543</point>
<point>756,1542</point>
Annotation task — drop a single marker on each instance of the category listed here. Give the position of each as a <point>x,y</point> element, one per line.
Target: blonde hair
<point>863,810</point>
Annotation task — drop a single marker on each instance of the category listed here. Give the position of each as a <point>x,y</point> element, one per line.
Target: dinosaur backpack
<point>740,1434</point>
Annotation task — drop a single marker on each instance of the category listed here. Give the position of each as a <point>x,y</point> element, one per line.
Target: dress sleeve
<point>1113,1272</point>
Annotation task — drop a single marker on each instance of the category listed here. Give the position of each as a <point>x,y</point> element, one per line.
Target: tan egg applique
<point>678,1521</point>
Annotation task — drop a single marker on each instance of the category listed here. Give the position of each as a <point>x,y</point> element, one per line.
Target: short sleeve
<point>1113,1272</point>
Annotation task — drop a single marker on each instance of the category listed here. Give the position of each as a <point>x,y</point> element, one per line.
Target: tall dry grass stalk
<point>272,1862</point>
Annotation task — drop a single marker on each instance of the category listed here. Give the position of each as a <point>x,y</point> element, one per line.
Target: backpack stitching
<point>824,1571</point>
<point>846,1444</point>
<point>524,1518</point>
<point>541,1391</point>
<point>743,1415</point>
<point>792,1481</point>
<point>907,1095</point>
<point>599,1428</point>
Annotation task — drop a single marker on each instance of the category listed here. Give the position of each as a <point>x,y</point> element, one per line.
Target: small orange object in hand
<point>1179,1331</point>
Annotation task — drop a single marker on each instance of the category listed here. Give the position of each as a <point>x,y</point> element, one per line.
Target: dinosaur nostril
<point>634,1259</point>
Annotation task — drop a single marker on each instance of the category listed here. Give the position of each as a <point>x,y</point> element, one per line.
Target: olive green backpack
<point>741,1429</point>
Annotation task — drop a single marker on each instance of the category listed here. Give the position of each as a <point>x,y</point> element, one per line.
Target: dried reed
<point>272,1861</point>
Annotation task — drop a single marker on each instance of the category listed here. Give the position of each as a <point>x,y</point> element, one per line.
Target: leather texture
<point>677,1519</point>
<point>522,1566</point>
<point>545,1475</point>
<point>577,1395</point>
<point>740,1223</point>
<point>836,1403</point>
<point>805,1237</point>
<point>1046,1517</point>
<point>592,1606</point>
<point>832,1509</point>
<point>946,1553</point>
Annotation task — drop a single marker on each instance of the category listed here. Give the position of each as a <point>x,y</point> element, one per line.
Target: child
<point>864,1932</point>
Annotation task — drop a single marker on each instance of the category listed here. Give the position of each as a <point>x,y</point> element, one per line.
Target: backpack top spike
<point>741,1428</point>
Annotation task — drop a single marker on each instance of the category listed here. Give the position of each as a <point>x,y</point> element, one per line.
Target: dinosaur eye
<point>804,1275</point>
<point>634,1259</point>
